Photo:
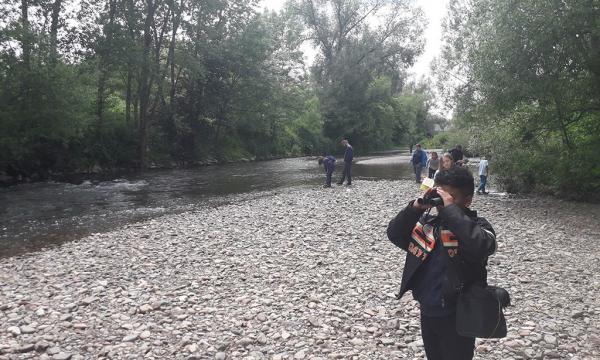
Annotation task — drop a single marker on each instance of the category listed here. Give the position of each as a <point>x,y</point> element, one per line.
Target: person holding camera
<point>467,239</point>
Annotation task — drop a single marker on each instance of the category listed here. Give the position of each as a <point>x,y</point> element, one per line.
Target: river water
<point>33,216</point>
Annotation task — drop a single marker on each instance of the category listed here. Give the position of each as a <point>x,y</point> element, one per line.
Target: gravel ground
<point>302,273</point>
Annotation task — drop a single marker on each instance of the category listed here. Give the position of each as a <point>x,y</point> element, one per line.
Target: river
<point>33,216</point>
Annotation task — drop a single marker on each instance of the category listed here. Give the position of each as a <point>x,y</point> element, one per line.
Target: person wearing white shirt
<point>483,175</point>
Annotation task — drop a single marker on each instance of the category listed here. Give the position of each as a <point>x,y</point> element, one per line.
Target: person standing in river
<point>418,161</point>
<point>328,163</point>
<point>348,157</point>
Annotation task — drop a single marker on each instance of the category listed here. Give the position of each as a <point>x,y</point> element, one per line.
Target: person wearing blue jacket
<point>418,161</point>
<point>328,163</point>
<point>348,157</point>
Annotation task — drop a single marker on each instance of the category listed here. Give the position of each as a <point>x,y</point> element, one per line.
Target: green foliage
<point>447,140</point>
<point>109,85</point>
<point>358,68</point>
<point>528,90</point>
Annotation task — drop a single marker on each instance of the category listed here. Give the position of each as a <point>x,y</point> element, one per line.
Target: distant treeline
<point>123,84</point>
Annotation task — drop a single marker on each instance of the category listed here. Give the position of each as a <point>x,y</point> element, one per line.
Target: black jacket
<point>469,240</point>
<point>457,154</point>
<point>348,154</point>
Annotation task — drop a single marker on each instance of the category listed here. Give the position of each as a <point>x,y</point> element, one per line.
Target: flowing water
<point>33,216</point>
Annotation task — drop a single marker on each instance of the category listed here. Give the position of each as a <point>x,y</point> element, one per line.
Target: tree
<point>529,72</point>
<point>358,41</point>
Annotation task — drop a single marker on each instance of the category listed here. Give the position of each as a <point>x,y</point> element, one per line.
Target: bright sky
<point>435,10</point>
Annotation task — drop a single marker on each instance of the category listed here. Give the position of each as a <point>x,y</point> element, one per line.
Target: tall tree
<point>357,42</point>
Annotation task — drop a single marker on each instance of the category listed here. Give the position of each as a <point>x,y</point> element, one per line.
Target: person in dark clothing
<point>418,161</point>
<point>348,156</point>
<point>468,240</point>
<point>457,154</point>
<point>328,163</point>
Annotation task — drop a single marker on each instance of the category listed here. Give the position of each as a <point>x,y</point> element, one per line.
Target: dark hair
<point>458,177</point>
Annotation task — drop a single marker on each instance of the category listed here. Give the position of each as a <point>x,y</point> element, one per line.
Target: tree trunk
<point>128,96</point>
<point>171,54</point>
<point>56,7</point>
<point>104,65</point>
<point>25,36</point>
<point>145,84</point>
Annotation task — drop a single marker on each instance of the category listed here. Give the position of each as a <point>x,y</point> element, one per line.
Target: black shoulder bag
<point>479,308</point>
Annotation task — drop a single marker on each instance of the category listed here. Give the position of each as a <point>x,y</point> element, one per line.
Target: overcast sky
<point>435,10</point>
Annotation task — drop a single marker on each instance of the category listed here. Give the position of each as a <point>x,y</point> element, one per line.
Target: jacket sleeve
<point>401,227</point>
<point>477,239</point>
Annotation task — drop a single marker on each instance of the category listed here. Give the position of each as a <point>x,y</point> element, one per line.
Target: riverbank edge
<point>99,174</point>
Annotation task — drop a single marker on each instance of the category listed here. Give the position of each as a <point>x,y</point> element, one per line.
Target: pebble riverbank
<point>301,273</point>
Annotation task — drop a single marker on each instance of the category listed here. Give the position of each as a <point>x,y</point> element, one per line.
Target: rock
<point>300,355</point>
<point>41,345</point>
<point>524,332</point>
<point>88,300</point>
<point>514,344</point>
<point>53,350</point>
<point>357,342</point>
<point>14,330</point>
<point>131,337</point>
<point>482,349</point>
<point>220,356</point>
<point>262,339</point>
<point>146,308</point>
<point>62,356</point>
<point>577,315</point>
<point>25,348</point>
<point>246,341</point>
<point>550,339</point>
<point>314,321</point>
<point>387,341</point>
<point>71,306</point>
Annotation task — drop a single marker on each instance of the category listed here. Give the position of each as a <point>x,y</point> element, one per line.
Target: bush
<point>448,139</point>
<point>523,163</point>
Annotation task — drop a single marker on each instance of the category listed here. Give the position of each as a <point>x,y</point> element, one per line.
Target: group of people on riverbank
<point>433,164</point>
<point>420,161</point>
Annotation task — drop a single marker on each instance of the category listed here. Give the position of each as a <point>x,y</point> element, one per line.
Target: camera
<point>431,198</point>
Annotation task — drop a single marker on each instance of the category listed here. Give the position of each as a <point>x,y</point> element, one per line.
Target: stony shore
<point>302,273</point>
